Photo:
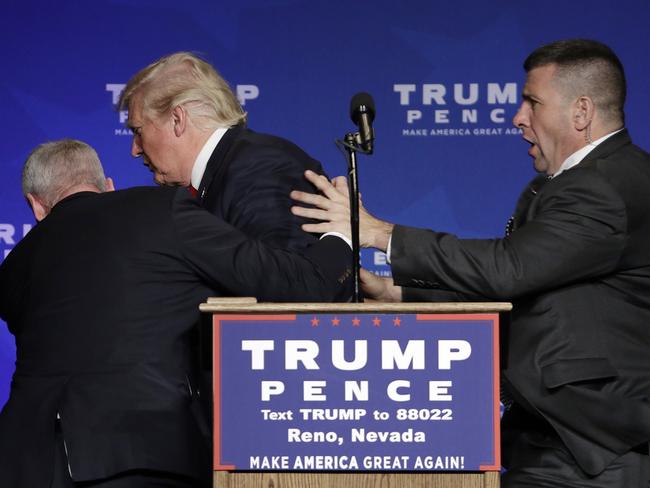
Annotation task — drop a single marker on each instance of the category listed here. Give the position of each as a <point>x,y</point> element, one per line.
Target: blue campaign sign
<point>356,392</point>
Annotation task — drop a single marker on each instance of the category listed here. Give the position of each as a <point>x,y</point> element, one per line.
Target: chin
<point>540,166</point>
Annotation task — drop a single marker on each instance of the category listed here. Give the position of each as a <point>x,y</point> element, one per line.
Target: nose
<point>136,149</point>
<point>521,117</point>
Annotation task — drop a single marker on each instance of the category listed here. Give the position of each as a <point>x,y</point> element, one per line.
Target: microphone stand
<point>362,113</point>
<point>351,143</point>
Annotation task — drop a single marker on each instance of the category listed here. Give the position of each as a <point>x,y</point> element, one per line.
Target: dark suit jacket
<point>101,297</point>
<point>577,268</point>
<point>247,183</point>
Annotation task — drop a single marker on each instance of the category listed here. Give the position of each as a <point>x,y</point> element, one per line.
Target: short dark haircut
<point>586,67</point>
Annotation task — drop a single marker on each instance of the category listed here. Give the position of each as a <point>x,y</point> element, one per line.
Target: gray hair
<point>54,167</point>
<point>185,79</point>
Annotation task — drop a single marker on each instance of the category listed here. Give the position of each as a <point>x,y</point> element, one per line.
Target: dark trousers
<point>130,479</point>
<point>535,457</point>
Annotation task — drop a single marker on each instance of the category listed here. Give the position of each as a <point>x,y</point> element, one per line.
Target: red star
<point>376,321</point>
<point>397,322</point>
<point>315,322</point>
<point>336,321</point>
<point>356,322</point>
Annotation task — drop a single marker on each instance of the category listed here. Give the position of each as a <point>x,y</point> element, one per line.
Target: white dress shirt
<point>201,161</point>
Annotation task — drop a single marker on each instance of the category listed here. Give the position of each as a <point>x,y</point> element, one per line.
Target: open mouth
<point>533,145</point>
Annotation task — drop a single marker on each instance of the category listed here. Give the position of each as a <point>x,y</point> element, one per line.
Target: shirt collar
<point>201,161</point>
<point>580,154</point>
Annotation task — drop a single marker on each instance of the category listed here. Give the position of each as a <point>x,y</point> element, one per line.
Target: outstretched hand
<point>380,289</point>
<point>333,212</point>
<point>332,205</point>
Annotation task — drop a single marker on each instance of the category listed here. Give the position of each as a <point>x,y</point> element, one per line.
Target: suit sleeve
<point>14,281</point>
<point>412,294</point>
<point>256,193</point>
<point>228,260</point>
<point>577,233</point>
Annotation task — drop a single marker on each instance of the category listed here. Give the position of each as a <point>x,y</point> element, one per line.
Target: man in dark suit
<point>102,295</point>
<point>189,129</point>
<point>576,264</point>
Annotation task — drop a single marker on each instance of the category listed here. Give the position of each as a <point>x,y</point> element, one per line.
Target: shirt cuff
<point>390,241</point>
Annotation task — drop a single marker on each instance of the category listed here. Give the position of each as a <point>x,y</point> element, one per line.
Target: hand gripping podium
<point>355,394</point>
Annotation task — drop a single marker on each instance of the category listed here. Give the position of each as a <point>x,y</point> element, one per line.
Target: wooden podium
<point>232,309</point>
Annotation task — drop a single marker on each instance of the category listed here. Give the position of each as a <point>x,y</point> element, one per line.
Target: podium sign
<point>356,391</point>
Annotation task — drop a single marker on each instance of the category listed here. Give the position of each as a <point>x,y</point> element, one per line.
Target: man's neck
<point>581,153</point>
<point>210,142</point>
<point>77,189</point>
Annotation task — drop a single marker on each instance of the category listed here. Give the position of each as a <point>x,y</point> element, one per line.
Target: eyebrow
<point>530,98</point>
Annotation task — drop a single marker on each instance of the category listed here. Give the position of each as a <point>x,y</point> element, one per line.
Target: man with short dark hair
<point>576,265</point>
<point>102,296</point>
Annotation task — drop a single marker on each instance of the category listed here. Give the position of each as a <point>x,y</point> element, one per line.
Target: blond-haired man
<point>189,129</point>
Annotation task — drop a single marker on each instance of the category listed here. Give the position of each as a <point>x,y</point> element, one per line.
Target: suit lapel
<point>523,204</point>
<point>218,162</point>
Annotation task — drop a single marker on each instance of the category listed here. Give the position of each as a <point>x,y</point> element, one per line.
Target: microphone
<point>362,113</point>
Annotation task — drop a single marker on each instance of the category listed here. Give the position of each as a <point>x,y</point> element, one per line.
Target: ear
<point>39,209</point>
<point>179,119</point>
<point>583,112</point>
<point>109,185</point>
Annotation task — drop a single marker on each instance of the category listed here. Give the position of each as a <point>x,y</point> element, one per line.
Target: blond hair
<point>185,79</point>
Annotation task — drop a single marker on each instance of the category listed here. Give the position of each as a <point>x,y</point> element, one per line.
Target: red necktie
<point>193,191</point>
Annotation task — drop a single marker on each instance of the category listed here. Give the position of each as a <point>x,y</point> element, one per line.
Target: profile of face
<point>545,116</point>
<point>156,140</point>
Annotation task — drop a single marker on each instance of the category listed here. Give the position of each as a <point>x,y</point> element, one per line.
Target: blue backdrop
<point>446,79</point>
